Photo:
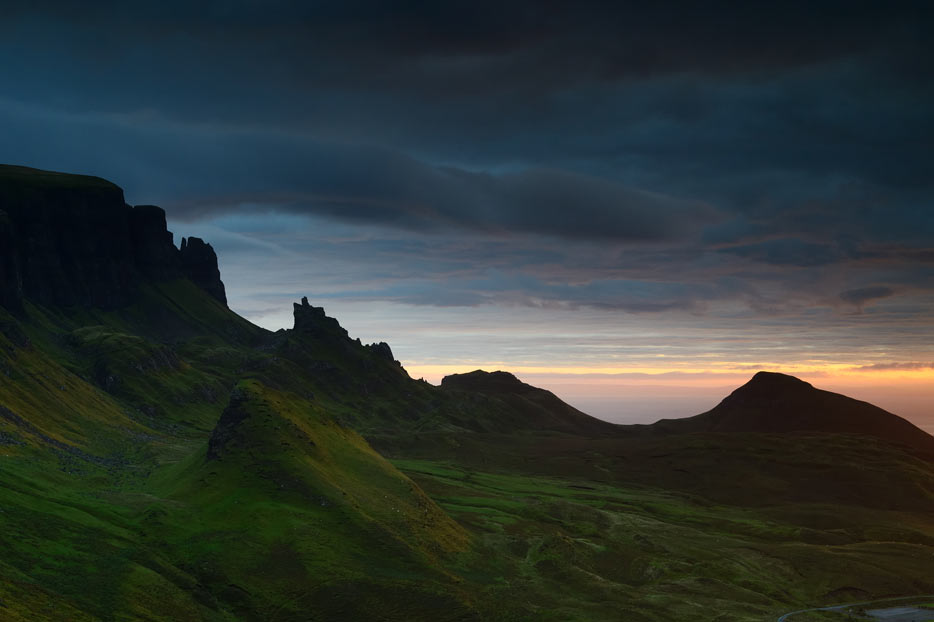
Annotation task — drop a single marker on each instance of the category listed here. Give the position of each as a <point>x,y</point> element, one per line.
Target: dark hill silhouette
<point>527,407</point>
<point>778,403</point>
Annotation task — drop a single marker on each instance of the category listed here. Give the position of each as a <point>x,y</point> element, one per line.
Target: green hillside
<point>161,458</point>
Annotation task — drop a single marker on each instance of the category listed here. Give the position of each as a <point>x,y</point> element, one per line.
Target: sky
<point>635,205</point>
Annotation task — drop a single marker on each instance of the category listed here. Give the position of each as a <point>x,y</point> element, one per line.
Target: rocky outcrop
<point>382,350</point>
<point>199,263</point>
<point>251,423</point>
<point>228,429</point>
<point>71,240</point>
<point>311,320</point>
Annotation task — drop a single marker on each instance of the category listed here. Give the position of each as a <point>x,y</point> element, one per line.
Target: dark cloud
<point>607,40</point>
<point>786,251</point>
<point>392,189</point>
<point>717,159</point>
<point>862,295</point>
<point>200,172</point>
<point>770,111</point>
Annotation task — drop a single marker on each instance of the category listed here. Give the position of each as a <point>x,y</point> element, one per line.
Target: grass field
<point>570,549</point>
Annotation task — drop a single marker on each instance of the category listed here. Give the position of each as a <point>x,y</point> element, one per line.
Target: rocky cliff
<point>11,287</point>
<point>311,320</point>
<point>70,240</point>
<point>199,263</point>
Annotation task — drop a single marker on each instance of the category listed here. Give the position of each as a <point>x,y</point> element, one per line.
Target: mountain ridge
<point>71,239</point>
<point>162,457</point>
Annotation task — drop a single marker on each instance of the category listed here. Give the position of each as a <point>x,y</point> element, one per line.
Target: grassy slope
<point>298,516</point>
<point>73,486</point>
<point>111,508</point>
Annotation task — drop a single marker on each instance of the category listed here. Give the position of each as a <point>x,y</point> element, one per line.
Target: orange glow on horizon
<point>646,394</point>
<point>715,373</point>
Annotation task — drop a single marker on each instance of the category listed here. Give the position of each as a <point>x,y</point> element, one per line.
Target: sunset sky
<point>634,205</point>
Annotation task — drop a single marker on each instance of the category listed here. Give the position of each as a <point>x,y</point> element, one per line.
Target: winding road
<point>788,615</point>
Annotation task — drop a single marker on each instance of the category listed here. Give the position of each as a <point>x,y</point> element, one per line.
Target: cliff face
<point>11,288</point>
<point>154,252</point>
<point>199,263</point>
<point>70,240</point>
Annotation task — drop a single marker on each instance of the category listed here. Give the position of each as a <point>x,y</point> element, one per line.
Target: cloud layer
<point>731,166</point>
